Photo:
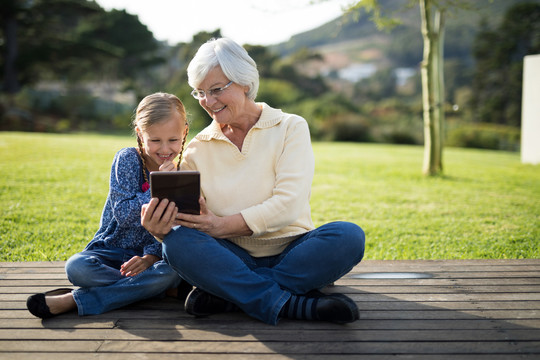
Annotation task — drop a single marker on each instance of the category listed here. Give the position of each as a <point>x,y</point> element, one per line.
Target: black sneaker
<point>336,308</point>
<point>183,290</point>
<point>200,303</point>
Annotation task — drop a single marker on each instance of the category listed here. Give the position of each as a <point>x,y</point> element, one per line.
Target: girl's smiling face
<point>162,141</point>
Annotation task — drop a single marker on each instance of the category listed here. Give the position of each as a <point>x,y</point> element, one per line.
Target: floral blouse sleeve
<point>127,197</point>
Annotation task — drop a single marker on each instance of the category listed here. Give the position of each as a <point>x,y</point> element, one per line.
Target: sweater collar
<point>269,117</point>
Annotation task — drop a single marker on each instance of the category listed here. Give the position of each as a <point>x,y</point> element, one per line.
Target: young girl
<point>123,264</point>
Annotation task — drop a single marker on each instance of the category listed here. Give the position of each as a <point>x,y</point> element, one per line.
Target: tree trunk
<point>432,89</point>
<point>439,87</point>
<point>11,85</point>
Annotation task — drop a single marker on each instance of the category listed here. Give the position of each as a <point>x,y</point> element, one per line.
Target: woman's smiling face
<point>229,105</point>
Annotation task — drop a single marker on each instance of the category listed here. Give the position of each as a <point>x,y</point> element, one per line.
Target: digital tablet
<point>182,187</point>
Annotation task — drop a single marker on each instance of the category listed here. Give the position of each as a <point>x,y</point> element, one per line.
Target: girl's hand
<point>158,217</point>
<point>137,265</point>
<point>168,165</point>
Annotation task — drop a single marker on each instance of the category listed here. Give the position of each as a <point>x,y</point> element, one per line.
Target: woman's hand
<point>158,217</point>
<point>206,222</point>
<point>213,225</point>
<point>137,265</point>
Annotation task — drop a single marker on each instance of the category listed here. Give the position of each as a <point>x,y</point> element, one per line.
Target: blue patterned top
<point>120,224</point>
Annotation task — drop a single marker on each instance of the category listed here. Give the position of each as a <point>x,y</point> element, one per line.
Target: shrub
<point>321,112</point>
<point>484,136</point>
<point>400,136</point>
<point>277,92</point>
<point>346,127</point>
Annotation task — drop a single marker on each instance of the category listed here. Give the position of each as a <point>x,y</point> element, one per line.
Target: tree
<point>497,84</point>
<point>177,82</point>
<point>433,15</point>
<point>70,39</point>
<point>125,32</point>
<point>433,85</point>
<point>40,38</point>
<point>9,26</point>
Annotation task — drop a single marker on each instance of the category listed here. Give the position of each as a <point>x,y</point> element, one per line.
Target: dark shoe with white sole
<point>200,303</point>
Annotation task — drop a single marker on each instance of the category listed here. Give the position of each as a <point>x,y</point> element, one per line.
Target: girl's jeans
<point>103,288</point>
<point>261,286</point>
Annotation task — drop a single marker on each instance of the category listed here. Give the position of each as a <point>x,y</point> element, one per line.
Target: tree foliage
<point>69,40</point>
<point>432,69</point>
<point>497,85</point>
<point>78,44</point>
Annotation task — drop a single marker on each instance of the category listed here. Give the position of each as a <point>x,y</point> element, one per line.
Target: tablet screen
<point>182,187</point>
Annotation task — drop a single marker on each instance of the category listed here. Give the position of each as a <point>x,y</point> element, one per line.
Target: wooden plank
<point>364,314</point>
<point>429,282</point>
<point>403,305</point>
<point>247,324</point>
<point>33,276</point>
<point>39,283</point>
<point>86,322</point>
<point>262,347</point>
<point>47,283</point>
<point>501,315</point>
<point>387,347</point>
<point>348,277</point>
<point>462,314</point>
<point>164,356</point>
<point>508,296</point>
<point>470,309</point>
<point>426,289</point>
<point>383,264</point>
<point>283,335</point>
<point>17,346</point>
<point>380,308</point>
<point>19,293</point>
<point>220,323</point>
<point>365,265</point>
<point>427,265</point>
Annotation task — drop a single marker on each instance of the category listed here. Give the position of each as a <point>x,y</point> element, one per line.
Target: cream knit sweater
<point>268,182</point>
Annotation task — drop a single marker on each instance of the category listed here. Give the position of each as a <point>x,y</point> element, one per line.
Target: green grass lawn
<point>487,205</point>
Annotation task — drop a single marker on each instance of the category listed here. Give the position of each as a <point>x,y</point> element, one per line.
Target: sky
<point>255,22</point>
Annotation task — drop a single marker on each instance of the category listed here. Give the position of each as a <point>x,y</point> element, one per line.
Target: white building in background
<point>403,75</point>
<point>530,114</point>
<point>356,72</point>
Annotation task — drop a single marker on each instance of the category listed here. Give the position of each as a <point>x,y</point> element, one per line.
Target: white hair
<point>233,59</point>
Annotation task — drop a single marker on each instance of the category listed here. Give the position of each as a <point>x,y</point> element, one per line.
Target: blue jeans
<point>103,288</point>
<point>261,286</point>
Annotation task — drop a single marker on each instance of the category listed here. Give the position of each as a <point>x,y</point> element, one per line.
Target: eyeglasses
<point>201,94</point>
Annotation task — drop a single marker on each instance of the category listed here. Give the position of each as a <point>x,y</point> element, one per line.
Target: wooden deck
<point>470,309</point>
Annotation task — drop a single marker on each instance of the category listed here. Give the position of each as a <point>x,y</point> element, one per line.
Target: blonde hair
<point>154,109</point>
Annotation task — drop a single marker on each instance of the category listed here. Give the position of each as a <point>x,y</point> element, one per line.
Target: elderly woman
<point>253,246</point>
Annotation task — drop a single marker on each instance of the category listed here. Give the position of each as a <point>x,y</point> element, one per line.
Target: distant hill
<point>360,41</point>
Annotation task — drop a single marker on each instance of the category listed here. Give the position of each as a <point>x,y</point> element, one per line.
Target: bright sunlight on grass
<point>487,205</point>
